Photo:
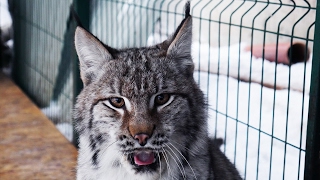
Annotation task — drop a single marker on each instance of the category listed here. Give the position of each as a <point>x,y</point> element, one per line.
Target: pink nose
<point>142,138</point>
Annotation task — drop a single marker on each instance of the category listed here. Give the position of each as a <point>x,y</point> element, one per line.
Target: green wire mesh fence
<point>43,57</point>
<point>253,60</point>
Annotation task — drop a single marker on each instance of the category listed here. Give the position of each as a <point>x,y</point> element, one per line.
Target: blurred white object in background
<point>6,43</point>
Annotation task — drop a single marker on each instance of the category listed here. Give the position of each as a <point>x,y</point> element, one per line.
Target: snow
<point>235,62</point>
<point>5,18</point>
<point>261,108</point>
<point>247,115</point>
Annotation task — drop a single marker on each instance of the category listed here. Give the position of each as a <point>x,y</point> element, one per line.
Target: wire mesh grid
<point>258,106</point>
<point>43,58</point>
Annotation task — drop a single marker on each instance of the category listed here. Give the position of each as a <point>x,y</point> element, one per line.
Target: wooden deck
<point>30,145</point>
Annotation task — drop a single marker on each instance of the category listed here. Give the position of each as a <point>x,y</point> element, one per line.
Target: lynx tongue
<point>143,158</point>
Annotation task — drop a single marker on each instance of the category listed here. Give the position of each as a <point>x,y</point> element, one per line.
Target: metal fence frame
<point>312,165</point>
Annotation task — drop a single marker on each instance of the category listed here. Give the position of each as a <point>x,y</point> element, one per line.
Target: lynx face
<point>140,114</point>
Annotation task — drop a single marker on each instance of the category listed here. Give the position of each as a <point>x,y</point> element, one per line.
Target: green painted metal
<point>42,59</point>
<point>82,8</point>
<point>312,165</point>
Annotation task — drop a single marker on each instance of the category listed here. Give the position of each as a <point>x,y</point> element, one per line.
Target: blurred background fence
<point>266,111</point>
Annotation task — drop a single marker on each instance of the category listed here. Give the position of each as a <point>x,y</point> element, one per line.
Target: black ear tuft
<point>187,9</point>
<point>179,45</point>
<point>187,16</point>
<point>75,16</point>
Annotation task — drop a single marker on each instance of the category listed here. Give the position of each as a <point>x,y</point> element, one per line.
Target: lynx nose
<point>142,138</point>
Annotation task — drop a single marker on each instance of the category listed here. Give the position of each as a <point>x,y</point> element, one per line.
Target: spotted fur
<point>140,105</point>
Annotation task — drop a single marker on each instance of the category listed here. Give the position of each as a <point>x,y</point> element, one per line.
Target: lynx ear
<point>180,44</point>
<point>92,54</point>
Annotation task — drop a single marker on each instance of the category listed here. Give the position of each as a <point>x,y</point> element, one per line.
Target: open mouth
<point>144,160</point>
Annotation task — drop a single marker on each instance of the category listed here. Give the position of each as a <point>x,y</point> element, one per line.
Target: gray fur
<point>177,130</point>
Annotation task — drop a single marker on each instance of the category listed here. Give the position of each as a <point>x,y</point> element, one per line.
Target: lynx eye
<point>116,102</point>
<point>161,99</point>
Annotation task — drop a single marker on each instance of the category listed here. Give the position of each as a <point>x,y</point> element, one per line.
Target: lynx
<point>141,115</point>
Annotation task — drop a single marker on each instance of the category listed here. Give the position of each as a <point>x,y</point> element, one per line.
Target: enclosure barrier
<point>260,105</point>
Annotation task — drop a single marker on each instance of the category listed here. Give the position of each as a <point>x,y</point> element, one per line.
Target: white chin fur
<point>106,168</point>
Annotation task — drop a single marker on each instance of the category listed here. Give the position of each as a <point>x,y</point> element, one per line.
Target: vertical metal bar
<point>192,12</point>
<point>238,95</point>
<point>303,107</point>
<point>217,84</point>
<point>82,7</point>
<point>133,43</point>
<point>238,84</point>
<point>121,24</point>
<point>312,165</point>
<point>110,29</point>
<point>100,26</point>
<point>228,71</point>
<point>140,23</point>
<point>228,74</point>
<point>147,22</point>
<point>227,83</point>
<point>249,91</point>
<point>290,72</point>
<point>274,94</point>
<point>202,9</point>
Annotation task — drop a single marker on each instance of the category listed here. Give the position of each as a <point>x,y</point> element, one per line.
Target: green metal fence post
<point>82,8</point>
<point>312,163</point>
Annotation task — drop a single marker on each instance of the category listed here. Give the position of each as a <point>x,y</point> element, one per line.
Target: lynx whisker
<point>167,161</point>
<point>185,160</point>
<point>179,163</point>
<point>159,164</point>
<point>189,150</point>
<point>105,149</point>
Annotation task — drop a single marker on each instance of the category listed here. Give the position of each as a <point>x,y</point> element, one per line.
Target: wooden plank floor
<point>30,145</point>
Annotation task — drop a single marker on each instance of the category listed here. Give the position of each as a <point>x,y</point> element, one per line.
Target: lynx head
<point>140,108</point>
